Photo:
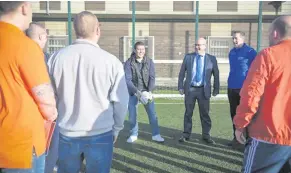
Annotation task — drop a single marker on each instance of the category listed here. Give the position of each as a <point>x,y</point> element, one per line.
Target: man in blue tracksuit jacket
<point>240,59</point>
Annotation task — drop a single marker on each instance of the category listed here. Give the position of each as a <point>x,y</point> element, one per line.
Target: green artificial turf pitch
<point>145,156</point>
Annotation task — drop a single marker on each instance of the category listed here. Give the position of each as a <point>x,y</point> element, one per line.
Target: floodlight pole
<point>69,23</point>
<point>197,21</point>
<point>259,35</point>
<point>133,24</point>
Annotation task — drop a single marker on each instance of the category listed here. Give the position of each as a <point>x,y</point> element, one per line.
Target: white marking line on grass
<point>183,103</point>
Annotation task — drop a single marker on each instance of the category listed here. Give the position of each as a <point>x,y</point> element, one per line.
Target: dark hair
<point>239,32</point>
<point>132,54</point>
<point>139,43</point>
<point>9,6</point>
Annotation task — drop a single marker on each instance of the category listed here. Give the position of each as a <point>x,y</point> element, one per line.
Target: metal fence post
<point>69,23</point>
<point>133,24</point>
<point>259,34</point>
<point>197,21</point>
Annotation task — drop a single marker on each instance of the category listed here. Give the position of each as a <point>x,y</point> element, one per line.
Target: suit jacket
<point>210,68</point>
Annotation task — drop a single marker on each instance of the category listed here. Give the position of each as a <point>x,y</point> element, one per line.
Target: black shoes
<point>236,145</point>
<point>232,143</point>
<point>208,140</point>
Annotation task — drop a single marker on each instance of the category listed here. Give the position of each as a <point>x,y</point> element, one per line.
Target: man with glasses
<point>199,67</point>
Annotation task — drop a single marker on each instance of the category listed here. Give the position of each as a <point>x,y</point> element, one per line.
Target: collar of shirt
<point>86,41</point>
<point>240,48</point>
<point>139,60</point>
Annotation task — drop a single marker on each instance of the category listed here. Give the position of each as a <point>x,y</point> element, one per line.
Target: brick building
<point>167,27</point>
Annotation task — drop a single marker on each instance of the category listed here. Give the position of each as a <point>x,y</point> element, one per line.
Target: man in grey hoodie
<point>92,99</point>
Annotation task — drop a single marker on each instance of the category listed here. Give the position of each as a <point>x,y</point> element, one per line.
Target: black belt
<point>197,86</point>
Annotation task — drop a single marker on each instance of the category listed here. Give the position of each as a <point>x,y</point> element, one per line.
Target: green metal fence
<point>169,30</point>
<point>259,35</point>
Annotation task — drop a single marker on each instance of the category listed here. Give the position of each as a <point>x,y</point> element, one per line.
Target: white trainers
<point>131,139</point>
<point>55,169</point>
<point>158,138</point>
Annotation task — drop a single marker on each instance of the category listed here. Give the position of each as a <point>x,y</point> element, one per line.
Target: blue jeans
<point>150,109</point>
<point>97,150</point>
<point>52,155</point>
<point>264,157</point>
<point>38,164</point>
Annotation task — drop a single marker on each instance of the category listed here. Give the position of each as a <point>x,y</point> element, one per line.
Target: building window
<point>95,5</point>
<point>269,7</point>
<point>219,46</point>
<point>140,5</point>
<point>55,43</point>
<point>53,5</point>
<point>183,6</point>
<point>226,6</point>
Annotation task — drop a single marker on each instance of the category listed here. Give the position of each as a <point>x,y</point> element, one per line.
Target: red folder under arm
<point>49,131</point>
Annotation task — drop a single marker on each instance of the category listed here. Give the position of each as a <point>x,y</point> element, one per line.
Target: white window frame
<point>219,60</point>
<point>56,37</point>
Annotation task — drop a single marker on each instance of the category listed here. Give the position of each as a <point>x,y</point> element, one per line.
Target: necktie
<point>198,77</point>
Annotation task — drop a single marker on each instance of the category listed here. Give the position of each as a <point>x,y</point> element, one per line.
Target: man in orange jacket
<point>26,96</point>
<point>264,111</point>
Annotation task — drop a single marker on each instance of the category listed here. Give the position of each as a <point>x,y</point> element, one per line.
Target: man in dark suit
<point>199,68</point>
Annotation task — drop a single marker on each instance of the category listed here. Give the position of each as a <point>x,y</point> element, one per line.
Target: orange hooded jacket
<point>265,105</point>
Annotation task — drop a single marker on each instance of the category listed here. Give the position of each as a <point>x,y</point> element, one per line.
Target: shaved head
<point>280,29</point>
<point>283,25</point>
<point>17,13</point>
<point>35,29</point>
<point>9,6</point>
<point>38,33</point>
<point>200,46</point>
<point>86,25</point>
